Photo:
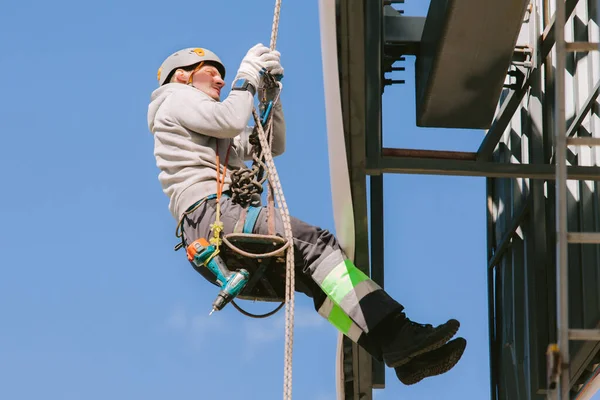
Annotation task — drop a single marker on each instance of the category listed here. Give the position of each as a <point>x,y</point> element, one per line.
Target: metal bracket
<point>523,57</point>
<point>401,36</point>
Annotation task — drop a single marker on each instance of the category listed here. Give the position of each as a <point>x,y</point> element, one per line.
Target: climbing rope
<point>290,272</point>
<point>287,226</point>
<point>247,187</point>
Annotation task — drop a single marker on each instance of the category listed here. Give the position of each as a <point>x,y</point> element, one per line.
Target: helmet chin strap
<point>191,78</point>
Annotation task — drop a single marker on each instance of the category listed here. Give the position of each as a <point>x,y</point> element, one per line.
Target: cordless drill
<point>203,254</point>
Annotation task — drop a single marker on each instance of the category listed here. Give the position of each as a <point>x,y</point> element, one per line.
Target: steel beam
<point>582,47</point>
<point>505,115</point>
<point>377,257</point>
<point>508,235</point>
<point>377,230</point>
<point>373,76</point>
<point>561,212</point>
<point>353,40</point>
<point>490,293</point>
<point>466,48</point>
<point>548,37</point>
<point>430,166</point>
<point>438,154</point>
<point>536,229</point>
<point>401,31</point>
<point>592,335</point>
<point>587,106</point>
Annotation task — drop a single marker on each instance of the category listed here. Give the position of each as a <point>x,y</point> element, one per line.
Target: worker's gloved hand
<point>277,69</point>
<point>258,58</point>
<point>267,90</point>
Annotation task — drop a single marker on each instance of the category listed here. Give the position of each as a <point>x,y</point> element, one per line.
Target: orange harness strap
<point>217,226</point>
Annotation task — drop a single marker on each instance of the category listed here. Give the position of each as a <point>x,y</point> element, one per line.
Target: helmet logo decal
<point>199,52</point>
<point>158,74</point>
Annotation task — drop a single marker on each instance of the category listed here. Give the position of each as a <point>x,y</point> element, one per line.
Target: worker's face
<point>208,80</point>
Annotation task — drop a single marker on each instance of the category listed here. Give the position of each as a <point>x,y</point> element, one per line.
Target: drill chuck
<point>236,282</point>
<point>221,301</point>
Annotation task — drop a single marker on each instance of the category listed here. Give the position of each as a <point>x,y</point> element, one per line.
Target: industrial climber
<point>199,140</point>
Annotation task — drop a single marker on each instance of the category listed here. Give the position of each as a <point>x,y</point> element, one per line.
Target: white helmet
<point>185,58</point>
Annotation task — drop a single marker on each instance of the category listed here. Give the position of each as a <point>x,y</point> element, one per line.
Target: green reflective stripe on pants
<point>361,299</point>
<point>351,303</point>
<point>338,318</point>
<point>341,280</point>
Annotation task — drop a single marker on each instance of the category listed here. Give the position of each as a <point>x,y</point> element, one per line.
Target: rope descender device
<point>270,82</point>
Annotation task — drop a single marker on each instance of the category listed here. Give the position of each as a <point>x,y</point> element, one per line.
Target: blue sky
<point>94,301</point>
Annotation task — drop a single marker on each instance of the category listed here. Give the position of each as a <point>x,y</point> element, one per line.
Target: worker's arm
<point>199,113</point>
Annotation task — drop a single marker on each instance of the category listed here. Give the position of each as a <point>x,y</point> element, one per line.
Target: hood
<point>158,97</point>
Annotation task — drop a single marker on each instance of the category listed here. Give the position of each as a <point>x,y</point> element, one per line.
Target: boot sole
<point>436,340</point>
<point>421,367</point>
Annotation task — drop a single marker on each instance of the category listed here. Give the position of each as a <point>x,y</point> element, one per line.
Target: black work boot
<point>410,339</point>
<point>435,362</point>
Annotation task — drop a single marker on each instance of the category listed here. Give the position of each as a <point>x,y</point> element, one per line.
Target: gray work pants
<point>342,294</point>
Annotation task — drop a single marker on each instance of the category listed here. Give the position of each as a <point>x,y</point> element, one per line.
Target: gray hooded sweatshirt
<point>187,124</point>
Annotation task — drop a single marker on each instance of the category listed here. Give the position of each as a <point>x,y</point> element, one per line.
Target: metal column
<point>562,294</point>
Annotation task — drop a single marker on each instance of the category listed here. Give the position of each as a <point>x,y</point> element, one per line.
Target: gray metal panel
<point>466,49</point>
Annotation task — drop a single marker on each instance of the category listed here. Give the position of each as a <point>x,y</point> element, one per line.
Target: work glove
<point>266,90</point>
<point>277,69</point>
<point>257,59</point>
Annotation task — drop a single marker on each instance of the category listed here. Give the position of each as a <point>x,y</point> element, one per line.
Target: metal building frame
<point>517,156</point>
<point>560,369</point>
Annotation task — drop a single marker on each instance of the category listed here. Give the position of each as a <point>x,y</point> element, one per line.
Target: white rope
<point>275,29</point>
<point>290,271</point>
<point>287,226</point>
